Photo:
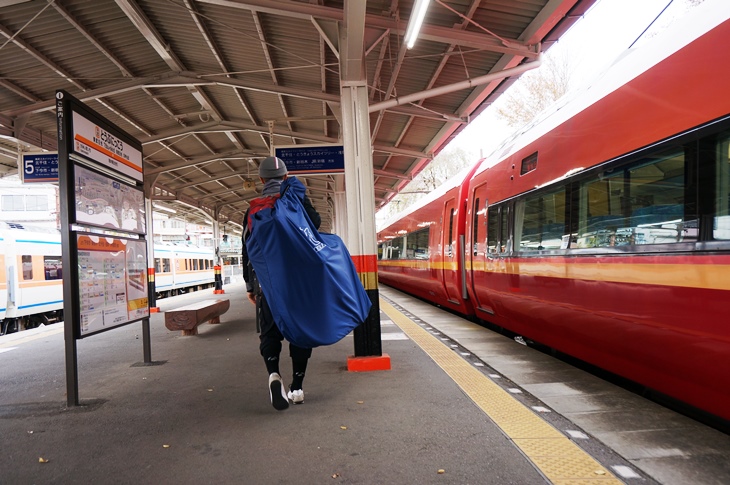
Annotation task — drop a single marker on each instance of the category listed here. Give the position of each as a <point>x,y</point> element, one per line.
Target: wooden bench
<point>188,317</point>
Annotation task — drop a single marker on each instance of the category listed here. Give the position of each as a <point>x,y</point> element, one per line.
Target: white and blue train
<point>31,276</point>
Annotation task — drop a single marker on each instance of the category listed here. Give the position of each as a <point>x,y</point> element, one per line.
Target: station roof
<point>209,85</point>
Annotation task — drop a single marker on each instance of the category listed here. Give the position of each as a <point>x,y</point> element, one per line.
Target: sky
<point>594,41</point>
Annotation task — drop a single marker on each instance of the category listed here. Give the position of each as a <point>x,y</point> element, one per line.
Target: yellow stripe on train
<point>705,276</point>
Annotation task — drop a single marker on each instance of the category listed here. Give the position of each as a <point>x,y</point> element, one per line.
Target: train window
<point>195,264</point>
<point>475,236</point>
<point>396,248</point>
<point>207,264</point>
<point>158,266</point>
<point>540,221</point>
<point>52,267</point>
<point>200,263</point>
<point>186,264</point>
<point>418,244</point>
<point>449,243</point>
<point>721,226</point>
<point>493,223</point>
<point>165,265</point>
<point>27,264</point>
<point>639,204</point>
<point>504,229</point>
<point>528,164</point>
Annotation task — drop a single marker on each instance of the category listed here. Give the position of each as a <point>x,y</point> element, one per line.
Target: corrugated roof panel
<point>176,25</point>
<point>240,47</point>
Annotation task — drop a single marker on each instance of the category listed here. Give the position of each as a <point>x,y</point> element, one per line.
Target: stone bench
<point>188,317</point>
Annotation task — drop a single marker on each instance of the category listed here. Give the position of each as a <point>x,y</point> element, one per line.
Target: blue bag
<point>307,277</point>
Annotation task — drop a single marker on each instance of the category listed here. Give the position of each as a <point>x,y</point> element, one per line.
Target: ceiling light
<point>414,23</point>
<point>163,208</point>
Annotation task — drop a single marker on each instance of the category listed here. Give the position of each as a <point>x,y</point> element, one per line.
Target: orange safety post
<point>218,281</point>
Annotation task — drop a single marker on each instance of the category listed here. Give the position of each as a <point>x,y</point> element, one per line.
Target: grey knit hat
<point>272,168</point>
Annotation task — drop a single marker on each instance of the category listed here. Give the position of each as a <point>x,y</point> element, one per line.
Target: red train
<point>603,230</point>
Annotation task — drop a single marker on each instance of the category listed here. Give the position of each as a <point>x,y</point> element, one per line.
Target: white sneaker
<point>276,392</point>
<point>297,397</point>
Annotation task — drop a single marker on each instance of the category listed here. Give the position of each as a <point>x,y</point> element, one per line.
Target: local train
<point>31,276</point>
<point>602,230</point>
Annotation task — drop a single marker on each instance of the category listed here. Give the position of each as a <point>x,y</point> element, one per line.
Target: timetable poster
<point>136,261</point>
<point>112,291</point>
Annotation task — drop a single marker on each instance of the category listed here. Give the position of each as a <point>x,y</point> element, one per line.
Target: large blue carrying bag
<point>308,277</point>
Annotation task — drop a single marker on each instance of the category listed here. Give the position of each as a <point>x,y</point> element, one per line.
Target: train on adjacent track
<point>602,230</point>
<point>31,276</point>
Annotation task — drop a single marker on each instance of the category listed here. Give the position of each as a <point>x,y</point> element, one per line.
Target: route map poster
<point>104,202</point>
<point>112,282</point>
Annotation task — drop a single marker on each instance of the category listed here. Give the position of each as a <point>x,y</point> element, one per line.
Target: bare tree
<point>443,167</point>
<point>446,164</point>
<point>535,91</point>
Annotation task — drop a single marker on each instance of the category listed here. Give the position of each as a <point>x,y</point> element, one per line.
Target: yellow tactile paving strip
<point>553,453</point>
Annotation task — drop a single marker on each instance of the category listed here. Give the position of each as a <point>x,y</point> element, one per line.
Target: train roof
<point>627,66</point>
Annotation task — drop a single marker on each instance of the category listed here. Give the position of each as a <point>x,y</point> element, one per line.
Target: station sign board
<point>41,167</point>
<point>313,159</point>
<point>106,146</point>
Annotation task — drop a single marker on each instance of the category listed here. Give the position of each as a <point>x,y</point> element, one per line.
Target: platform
<point>461,405</point>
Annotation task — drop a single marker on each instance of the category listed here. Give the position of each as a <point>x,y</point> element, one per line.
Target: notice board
<point>112,275</point>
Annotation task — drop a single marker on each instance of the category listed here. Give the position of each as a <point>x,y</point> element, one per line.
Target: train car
<point>180,268</point>
<point>31,276</point>
<point>423,250</point>
<point>603,230</point>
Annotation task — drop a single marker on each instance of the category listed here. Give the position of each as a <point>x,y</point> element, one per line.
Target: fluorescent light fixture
<point>415,22</point>
<point>163,208</point>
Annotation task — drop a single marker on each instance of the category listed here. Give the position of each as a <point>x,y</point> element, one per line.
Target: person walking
<point>273,172</point>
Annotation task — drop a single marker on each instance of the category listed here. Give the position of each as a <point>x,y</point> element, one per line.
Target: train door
<point>449,252</point>
<point>478,276</point>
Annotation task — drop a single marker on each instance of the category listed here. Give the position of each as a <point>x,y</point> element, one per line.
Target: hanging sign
<point>313,159</point>
<point>39,167</point>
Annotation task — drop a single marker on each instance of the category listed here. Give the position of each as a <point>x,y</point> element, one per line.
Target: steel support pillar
<point>339,225</point>
<point>360,233</point>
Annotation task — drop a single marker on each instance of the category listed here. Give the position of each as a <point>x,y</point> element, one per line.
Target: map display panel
<point>104,202</point>
<point>112,275</point>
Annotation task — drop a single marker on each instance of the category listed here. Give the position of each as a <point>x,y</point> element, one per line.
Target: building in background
<point>31,204</point>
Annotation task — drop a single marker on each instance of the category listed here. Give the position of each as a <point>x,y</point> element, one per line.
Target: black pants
<point>271,336</point>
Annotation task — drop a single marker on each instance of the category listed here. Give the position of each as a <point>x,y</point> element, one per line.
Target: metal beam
<point>72,20</point>
<point>89,95</point>
<point>169,167</point>
<point>15,39</point>
<point>139,19</point>
<point>445,35</point>
<point>19,91</point>
<point>450,88</point>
